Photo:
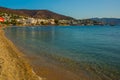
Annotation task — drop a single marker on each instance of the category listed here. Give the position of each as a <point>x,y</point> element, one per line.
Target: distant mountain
<point>112,21</point>
<point>44,14</point>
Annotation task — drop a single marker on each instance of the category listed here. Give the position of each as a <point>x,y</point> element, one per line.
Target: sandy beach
<point>17,65</point>
<point>12,64</point>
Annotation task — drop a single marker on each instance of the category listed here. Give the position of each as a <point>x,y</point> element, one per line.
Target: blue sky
<point>76,8</point>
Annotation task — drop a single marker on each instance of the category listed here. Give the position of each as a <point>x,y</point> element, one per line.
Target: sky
<point>79,9</point>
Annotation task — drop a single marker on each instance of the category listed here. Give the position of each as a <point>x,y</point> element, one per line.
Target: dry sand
<point>12,64</point>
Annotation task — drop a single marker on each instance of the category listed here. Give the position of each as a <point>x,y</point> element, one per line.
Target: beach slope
<point>12,64</point>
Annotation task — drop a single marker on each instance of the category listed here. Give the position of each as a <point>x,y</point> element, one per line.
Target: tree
<point>56,22</point>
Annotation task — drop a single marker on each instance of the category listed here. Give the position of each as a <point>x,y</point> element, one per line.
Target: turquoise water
<point>95,49</point>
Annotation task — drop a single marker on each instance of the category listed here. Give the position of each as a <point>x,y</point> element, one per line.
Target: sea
<point>94,49</point>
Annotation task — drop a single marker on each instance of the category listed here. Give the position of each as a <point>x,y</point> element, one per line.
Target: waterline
<point>94,49</point>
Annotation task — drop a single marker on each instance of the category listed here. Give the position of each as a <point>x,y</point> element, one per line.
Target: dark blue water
<point>95,49</point>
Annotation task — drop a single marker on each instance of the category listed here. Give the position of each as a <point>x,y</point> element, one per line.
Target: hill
<point>44,14</point>
<point>112,21</point>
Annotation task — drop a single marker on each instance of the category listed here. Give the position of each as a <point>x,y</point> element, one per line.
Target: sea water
<point>95,49</point>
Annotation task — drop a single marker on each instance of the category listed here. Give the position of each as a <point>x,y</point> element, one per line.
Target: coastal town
<point>17,20</point>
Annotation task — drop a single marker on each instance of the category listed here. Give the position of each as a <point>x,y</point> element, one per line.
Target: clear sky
<point>75,8</point>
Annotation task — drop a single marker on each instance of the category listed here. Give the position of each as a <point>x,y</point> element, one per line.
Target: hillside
<point>112,21</point>
<point>44,14</point>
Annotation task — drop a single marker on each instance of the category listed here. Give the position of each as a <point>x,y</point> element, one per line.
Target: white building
<point>31,21</point>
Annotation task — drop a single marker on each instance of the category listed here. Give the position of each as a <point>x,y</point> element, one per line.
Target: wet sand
<point>12,64</point>
<point>51,71</point>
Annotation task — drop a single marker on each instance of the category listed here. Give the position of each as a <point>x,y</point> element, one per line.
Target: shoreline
<point>44,68</point>
<point>31,70</point>
<point>13,65</point>
<point>53,67</point>
<point>49,71</point>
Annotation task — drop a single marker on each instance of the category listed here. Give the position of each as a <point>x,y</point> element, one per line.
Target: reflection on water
<point>94,49</point>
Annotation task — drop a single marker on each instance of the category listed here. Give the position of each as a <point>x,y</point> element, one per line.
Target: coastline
<point>42,66</point>
<point>50,70</point>
<point>13,65</point>
<point>16,65</point>
<point>53,67</point>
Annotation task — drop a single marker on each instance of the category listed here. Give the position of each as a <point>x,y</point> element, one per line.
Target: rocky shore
<point>13,65</point>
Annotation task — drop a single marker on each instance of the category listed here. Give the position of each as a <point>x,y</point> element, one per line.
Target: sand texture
<point>12,64</point>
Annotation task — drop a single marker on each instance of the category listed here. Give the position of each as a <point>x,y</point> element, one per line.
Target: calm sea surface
<point>95,49</point>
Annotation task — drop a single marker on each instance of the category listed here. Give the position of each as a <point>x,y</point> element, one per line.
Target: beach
<point>29,51</point>
<point>12,64</point>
